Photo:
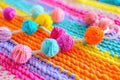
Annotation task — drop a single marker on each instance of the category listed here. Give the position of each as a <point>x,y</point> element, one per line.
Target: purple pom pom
<point>5,34</point>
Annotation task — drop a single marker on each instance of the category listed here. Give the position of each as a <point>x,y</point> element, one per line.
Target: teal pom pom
<point>50,47</point>
<point>29,27</point>
<point>36,10</point>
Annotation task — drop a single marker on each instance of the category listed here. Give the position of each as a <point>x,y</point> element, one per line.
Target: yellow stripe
<point>100,5</point>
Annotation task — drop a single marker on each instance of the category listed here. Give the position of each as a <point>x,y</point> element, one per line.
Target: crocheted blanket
<point>83,61</point>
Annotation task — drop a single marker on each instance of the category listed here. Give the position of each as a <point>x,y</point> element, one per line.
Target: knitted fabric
<point>100,5</point>
<point>82,62</point>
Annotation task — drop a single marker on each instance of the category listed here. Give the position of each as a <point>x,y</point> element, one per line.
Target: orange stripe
<point>84,64</point>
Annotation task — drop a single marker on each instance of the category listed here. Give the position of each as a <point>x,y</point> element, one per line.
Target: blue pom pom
<point>29,27</point>
<point>50,47</point>
<point>36,10</point>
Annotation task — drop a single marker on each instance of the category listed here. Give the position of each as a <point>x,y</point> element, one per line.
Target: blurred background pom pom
<point>36,10</point>
<point>104,23</point>
<point>57,14</point>
<point>90,17</point>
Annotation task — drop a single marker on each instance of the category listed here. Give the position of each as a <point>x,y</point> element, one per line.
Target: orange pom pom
<point>94,35</point>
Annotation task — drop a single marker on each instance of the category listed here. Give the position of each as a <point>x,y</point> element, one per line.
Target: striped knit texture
<point>100,5</point>
<point>86,62</point>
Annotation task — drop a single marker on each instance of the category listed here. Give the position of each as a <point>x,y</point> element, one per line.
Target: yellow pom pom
<point>44,20</point>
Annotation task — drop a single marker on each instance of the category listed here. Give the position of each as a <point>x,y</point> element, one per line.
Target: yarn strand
<point>79,40</point>
<point>45,29</point>
<point>36,51</point>
<point>1,9</point>
<point>114,36</point>
<point>29,15</point>
<point>17,31</point>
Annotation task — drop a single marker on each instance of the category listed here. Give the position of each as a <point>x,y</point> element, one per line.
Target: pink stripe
<point>18,69</point>
<point>75,12</point>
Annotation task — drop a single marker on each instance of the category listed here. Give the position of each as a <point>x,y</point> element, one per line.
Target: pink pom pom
<point>64,40</point>
<point>21,53</point>
<point>5,34</point>
<point>57,33</point>
<point>90,17</point>
<point>104,23</point>
<point>57,15</point>
<point>9,13</point>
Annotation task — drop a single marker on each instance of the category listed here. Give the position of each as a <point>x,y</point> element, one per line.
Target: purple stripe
<point>39,66</point>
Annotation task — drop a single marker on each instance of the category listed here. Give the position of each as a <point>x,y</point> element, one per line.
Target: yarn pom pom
<point>29,27</point>
<point>94,35</point>
<point>36,10</point>
<point>21,53</point>
<point>9,13</point>
<point>50,47</point>
<point>57,32</point>
<point>57,15</point>
<point>44,20</point>
<point>104,23</point>
<point>5,34</point>
<point>90,17</point>
<point>65,42</point>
